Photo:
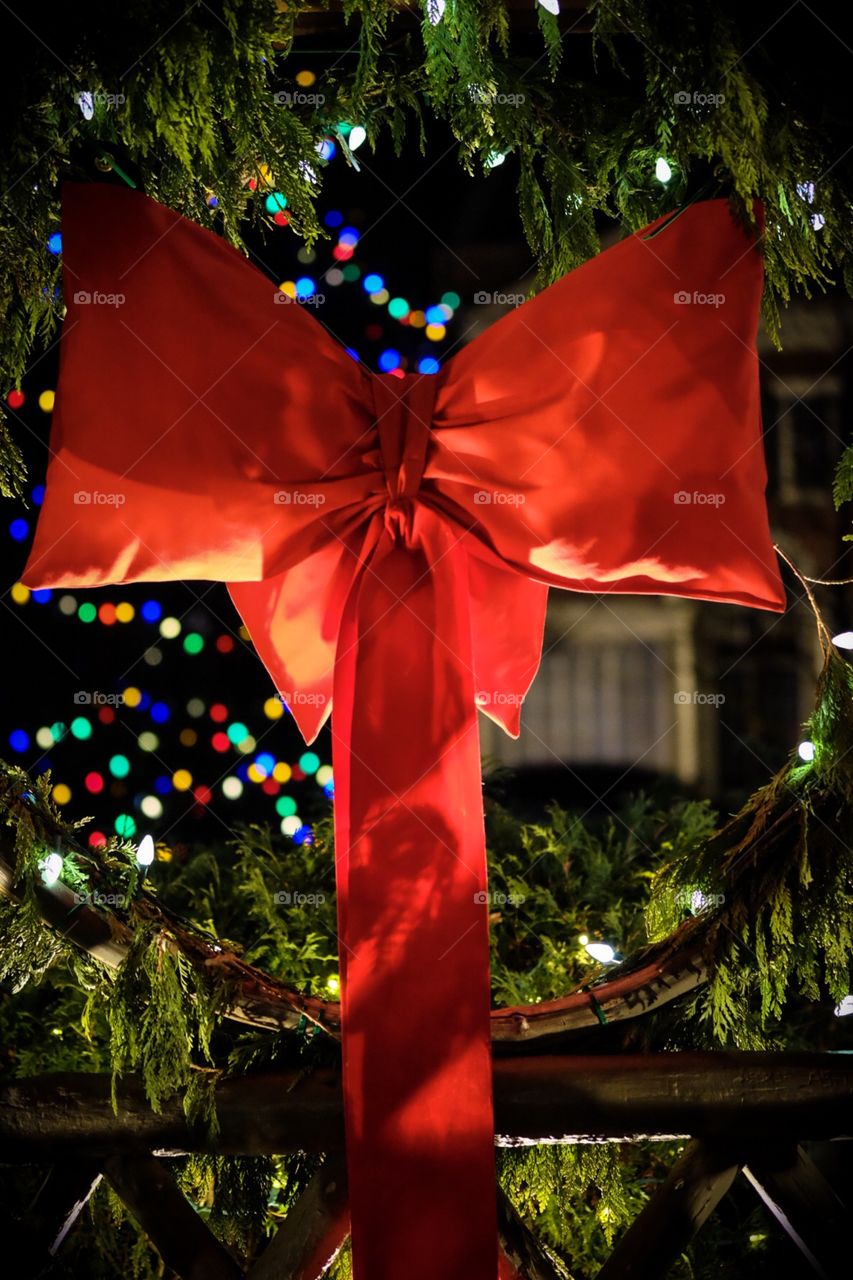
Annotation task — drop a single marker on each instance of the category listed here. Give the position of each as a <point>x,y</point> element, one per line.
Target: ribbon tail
<point>413,922</point>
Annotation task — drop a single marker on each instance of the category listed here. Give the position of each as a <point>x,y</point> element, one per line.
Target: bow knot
<point>402,412</point>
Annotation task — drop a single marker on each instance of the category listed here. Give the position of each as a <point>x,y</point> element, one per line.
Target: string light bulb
<point>51,869</point>
<point>663,172</point>
<point>145,851</point>
<point>844,640</point>
<point>601,951</point>
<point>806,750</point>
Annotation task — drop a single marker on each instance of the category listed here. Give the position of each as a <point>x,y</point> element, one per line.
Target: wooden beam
<point>528,1257</point>
<point>312,1234</point>
<point>716,1096</point>
<point>178,1233</point>
<point>804,1204</point>
<point>679,1208</point>
<point>63,1197</point>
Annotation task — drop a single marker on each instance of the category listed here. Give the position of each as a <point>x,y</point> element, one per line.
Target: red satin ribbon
<point>394,538</point>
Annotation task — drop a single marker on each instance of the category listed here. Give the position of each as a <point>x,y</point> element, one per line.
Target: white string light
<point>145,852</point>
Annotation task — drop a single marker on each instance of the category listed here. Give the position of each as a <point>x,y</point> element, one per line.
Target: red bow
<point>390,542</point>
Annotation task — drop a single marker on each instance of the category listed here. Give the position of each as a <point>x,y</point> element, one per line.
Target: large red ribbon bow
<point>389,543</point>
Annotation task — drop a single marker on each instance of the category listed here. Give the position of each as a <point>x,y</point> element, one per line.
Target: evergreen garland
<point>187,110</point>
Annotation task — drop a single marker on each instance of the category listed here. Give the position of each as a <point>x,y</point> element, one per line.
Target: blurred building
<point>709,695</point>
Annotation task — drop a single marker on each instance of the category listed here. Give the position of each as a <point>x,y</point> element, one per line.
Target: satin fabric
<point>389,542</point>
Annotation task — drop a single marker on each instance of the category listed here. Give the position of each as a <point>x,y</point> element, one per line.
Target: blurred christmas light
<point>389,360</point>
<point>806,750</point>
<point>119,766</point>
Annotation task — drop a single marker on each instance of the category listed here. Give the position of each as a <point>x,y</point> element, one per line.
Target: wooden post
<point>314,1230</point>
<point>655,1239</point>
<point>526,1254</point>
<point>805,1206</point>
<point>184,1242</point>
